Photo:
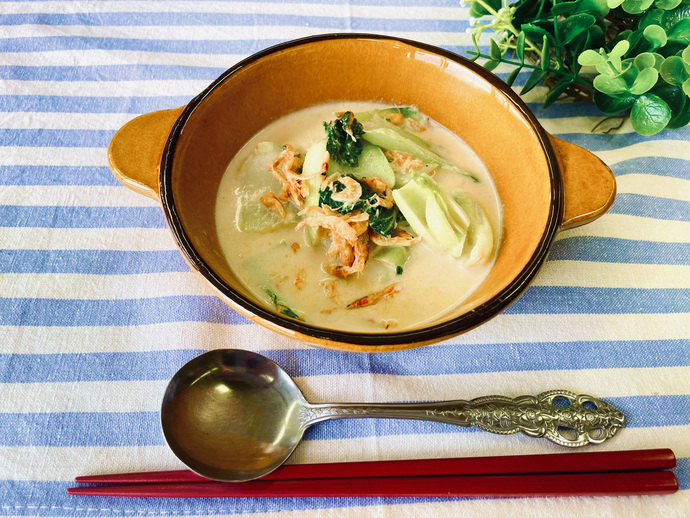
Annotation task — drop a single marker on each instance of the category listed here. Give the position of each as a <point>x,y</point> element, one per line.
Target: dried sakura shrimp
<point>395,118</point>
<point>349,238</point>
<point>374,298</point>
<point>358,220</point>
<point>273,204</point>
<point>360,253</point>
<point>351,193</point>
<point>416,126</point>
<point>384,193</point>
<point>399,237</point>
<point>334,223</point>
<point>285,169</point>
<point>402,162</point>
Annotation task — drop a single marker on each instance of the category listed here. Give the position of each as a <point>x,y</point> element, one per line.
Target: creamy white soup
<point>379,220</point>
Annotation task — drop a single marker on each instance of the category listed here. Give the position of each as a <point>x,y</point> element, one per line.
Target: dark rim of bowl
<point>440,331</point>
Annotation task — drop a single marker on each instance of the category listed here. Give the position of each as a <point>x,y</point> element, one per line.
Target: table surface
<point>98,309</point>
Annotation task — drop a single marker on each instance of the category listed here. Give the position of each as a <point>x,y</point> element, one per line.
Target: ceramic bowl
<point>546,185</point>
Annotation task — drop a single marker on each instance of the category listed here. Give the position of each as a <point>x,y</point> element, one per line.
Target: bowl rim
<point>436,332</point>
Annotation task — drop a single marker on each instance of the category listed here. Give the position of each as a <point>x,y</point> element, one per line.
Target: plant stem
<point>557,38</point>
<point>561,73</point>
<point>612,117</point>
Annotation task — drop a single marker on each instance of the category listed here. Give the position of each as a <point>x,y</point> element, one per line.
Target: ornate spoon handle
<point>561,416</point>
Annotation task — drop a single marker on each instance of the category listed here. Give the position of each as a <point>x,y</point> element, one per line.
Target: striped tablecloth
<point>98,309</point>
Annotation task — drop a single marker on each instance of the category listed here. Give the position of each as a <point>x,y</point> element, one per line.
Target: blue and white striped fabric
<point>98,309</point>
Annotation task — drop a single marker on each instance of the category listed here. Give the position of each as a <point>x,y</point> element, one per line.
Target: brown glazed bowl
<point>546,185</point>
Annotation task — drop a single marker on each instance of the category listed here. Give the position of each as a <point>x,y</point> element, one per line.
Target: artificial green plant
<point>628,57</point>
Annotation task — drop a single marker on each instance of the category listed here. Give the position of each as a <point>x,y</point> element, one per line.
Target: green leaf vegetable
<point>280,305</point>
<point>395,257</point>
<point>381,220</point>
<point>379,132</point>
<point>252,215</point>
<point>408,112</point>
<point>344,139</point>
<point>452,221</point>
<point>628,57</point>
<point>431,213</point>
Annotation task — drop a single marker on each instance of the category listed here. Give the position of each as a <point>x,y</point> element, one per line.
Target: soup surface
<point>402,271</point>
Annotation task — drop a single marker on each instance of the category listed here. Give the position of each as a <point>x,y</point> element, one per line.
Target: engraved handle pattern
<point>561,416</point>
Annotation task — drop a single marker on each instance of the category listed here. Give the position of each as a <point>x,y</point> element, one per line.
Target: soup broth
<point>287,260</point>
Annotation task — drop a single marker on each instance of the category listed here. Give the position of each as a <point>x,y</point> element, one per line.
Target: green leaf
<point>599,8</point>
<point>610,85</point>
<point>597,37</point>
<point>478,10</point>
<point>645,60</point>
<point>655,35</point>
<point>575,25</point>
<point>512,76</point>
<point>613,3</point>
<point>520,47</point>
<point>644,81</point>
<point>545,55</point>
<point>589,58</point>
<point>491,64</point>
<point>667,5</point>
<point>680,32</point>
<point>577,47</point>
<point>556,92</point>
<point>670,18</point>
<point>620,49</point>
<point>524,10</point>
<point>344,139</point>
<point>658,60</point>
<point>533,80</point>
<point>652,17</point>
<point>494,51</point>
<point>535,33</point>
<point>622,36</point>
<point>686,87</point>
<point>682,118</point>
<point>280,305</point>
<point>629,73</point>
<point>649,115</point>
<point>636,6</point>
<point>672,48</point>
<point>673,96</point>
<point>638,43</point>
<point>382,220</point>
<point>613,105</point>
<point>565,8</point>
<point>674,70</point>
<point>686,55</point>
<point>606,69</point>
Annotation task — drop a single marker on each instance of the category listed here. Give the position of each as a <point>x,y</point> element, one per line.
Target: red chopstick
<point>579,484</point>
<point>630,460</point>
<point>633,472</point>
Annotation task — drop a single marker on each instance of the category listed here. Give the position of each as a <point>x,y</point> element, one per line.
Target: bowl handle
<point>588,184</point>
<point>136,149</point>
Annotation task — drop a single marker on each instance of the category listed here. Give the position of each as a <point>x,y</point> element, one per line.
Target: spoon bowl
<point>234,415</point>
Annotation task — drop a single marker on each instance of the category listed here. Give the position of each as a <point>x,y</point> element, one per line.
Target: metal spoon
<point>234,415</point>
